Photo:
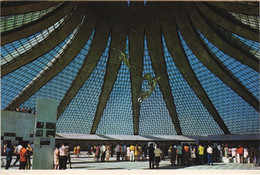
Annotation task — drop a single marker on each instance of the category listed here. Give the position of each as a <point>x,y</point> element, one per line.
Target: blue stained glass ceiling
<point>154,113</point>
<point>122,114</point>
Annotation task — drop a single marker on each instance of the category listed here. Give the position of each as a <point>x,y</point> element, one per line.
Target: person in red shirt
<point>23,157</point>
<point>240,151</point>
<point>186,155</point>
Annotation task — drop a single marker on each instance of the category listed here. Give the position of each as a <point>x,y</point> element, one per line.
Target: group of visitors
<point>23,154</point>
<point>131,152</point>
<point>241,154</point>
<point>76,151</point>
<point>62,156</point>
<point>25,110</point>
<point>180,155</point>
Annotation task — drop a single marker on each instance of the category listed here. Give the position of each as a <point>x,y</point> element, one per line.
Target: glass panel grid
<point>14,21</point>
<point>13,50</point>
<point>154,115</point>
<point>254,47</point>
<point>59,85</point>
<point>193,116</point>
<point>117,117</point>
<point>238,115</point>
<point>252,21</point>
<point>22,78</point>
<point>79,114</point>
<point>244,74</point>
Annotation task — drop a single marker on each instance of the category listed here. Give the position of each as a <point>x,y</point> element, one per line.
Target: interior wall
<point>17,126</point>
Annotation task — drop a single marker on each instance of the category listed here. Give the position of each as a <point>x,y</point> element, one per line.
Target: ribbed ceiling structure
<point>205,53</point>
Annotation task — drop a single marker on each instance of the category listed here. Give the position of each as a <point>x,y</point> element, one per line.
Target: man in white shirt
<point>210,151</point>
<point>103,152</point>
<point>63,156</point>
<point>17,152</point>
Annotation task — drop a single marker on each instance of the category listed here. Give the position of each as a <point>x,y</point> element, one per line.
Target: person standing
<point>9,152</point>
<point>157,156</point>
<point>173,152</point>
<point>17,152</point>
<point>108,149</point>
<point>128,152</point>
<point>144,149</point>
<point>67,150</point>
<point>240,152</point>
<point>132,152</point>
<point>151,156</point>
<point>97,152</point>
<point>56,156</point>
<point>124,152</point>
<point>28,156</point>
<point>22,153</point>
<point>78,150</point>
<point>234,153</point>
<point>62,156</point>
<point>186,156</point>
<point>179,155</point>
<point>118,152</point>
<point>75,151</point>
<point>136,152</point>
<point>193,154</point>
<point>210,151</point>
<point>201,154</point>
<point>226,151</point>
<point>103,152</point>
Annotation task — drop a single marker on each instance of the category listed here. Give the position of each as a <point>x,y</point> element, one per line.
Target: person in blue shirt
<point>9,153</point>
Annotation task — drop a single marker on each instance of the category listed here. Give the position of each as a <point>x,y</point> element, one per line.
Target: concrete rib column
<point>172,39</point>
<point>237,8</point>
<point>27,8</point>
<point>154,42</point>
<point>38,25</point>
<point>242,56</point>
<point>75,47</point>
<point>61,34</point>
<point>136,51</point>
<point>207,59</point>
<point>118,40</point>
<point>102,32</point>
<point>230,25</point>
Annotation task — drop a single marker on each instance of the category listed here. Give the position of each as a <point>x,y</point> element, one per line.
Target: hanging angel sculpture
<point>152,81</point>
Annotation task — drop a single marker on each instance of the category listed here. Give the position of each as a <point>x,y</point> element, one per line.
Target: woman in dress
<point>108,149</point>
<point>128,152</point>
<point>56,156</point>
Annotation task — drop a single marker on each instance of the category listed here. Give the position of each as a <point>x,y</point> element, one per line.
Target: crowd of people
<point>178,155</point>
<point>22,152</point>
<point>25,110</point>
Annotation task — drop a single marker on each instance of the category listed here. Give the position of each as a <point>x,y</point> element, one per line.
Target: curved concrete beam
<point>118,40</point>
<point>217,68</point>
<point>237,8</point>
<point>27,8</point>
<point>136,51</point>
<point>230,25</point>
<point>75,47</point>
<point>61,34</point>
<point>172,39</point>
<point>38,25</point>
<point>102,32</point>
<point>154,43</point>
<point>242,56</point>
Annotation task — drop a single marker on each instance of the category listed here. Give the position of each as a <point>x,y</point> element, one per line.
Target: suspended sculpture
<point>152,81</point>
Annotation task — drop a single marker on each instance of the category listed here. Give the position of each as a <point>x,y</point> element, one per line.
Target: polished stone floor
<point>85,163</point>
